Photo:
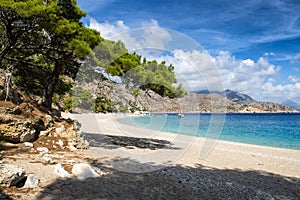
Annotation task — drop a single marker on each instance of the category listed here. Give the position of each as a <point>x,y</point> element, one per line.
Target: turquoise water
<point>275,130</point>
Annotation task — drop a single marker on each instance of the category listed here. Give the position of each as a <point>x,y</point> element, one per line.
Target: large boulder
<point>18,130</point>
<point>11,175</point>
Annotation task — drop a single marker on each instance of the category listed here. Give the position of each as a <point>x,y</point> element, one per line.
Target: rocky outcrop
<point>124,99</point>
<point>17,130</point>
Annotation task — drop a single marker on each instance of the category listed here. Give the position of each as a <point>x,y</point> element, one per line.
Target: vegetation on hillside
<point>44,43</point>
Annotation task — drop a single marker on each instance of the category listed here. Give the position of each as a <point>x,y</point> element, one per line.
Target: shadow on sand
<point>114,142</point>
<point>175,182</point>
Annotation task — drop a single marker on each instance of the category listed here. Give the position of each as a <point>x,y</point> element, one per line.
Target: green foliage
<point>79,99</point>
<point>43,42</point>
<point>132,109</point>
<point>135,92</point>
<point>155,76</point>
<point>44,39</point>
<point>102,105</point>
<point>146,75</point>
<point>123,109</point>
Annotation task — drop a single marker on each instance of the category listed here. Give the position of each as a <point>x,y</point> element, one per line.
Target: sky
<point>249,46</point>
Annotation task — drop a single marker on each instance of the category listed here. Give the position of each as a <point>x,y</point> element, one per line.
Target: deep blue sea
<point>272,129</point>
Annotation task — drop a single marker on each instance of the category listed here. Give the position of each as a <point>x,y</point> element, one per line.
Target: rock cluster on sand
<point>11,175</point>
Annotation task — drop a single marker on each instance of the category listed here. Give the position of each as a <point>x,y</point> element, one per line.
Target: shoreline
<point>223,155</point>
<point>239,142</point>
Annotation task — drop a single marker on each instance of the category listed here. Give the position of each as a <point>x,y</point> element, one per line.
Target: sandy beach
<point>189,151</point>
<point>146,164</point>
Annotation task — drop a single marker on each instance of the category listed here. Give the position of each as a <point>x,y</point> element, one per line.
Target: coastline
<point>223,155</point>
<point>137,163</point>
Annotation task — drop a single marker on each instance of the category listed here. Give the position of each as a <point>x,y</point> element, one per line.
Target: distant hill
<point>291,104</point>
<point>229,94</point>
<point>123,99</point>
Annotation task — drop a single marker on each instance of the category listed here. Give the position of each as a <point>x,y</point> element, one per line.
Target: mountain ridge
<point>232,95</point>
<point>292,104</point>
<point>122,97</point>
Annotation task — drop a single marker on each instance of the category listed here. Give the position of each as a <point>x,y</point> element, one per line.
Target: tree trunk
<point>49,91</point>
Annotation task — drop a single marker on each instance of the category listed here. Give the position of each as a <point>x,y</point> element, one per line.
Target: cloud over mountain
<point>198,69</point>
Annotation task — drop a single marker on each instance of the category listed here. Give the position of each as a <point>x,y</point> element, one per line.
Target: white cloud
<point>198,69</point>
<point>150,36</point>
<point>293,79</point>
<point>108,30</point>
<point>296,58</point>
<point>269,54</point>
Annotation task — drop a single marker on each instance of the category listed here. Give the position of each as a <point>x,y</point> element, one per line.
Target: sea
<point>281,130</point>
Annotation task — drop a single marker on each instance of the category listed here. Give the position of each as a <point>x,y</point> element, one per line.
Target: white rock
<point>61,172</point>
<point>28,136</point>
<point>87,144</point>
<point>60,143</point>
<point>60,129</point>
<point>44,133</point>
<point>10,174</point>
<point>72,148</point>
<point>43,149</point>
<point>32,181</point>
<point>83,171</point>
<point>28,144</point>
<point>47,158</point>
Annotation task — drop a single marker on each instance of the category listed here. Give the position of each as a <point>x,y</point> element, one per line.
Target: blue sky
<point>234,36</point>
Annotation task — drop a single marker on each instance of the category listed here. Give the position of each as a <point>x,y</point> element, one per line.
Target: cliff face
<point>129,99</point>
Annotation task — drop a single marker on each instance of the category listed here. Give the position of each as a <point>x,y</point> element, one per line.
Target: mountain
<point>291,104</point>
<point>123,99</point>
<point>229,94</point>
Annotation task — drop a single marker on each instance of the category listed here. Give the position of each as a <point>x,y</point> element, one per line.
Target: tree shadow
<point>114,142</point>
<point>175,182</point>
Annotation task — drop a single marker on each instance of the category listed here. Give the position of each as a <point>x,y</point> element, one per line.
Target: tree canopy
<point>137,72</point>
<point>42,40</point>
<point>43,44</point>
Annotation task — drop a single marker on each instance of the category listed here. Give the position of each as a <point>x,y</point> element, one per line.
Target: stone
<point>47,158</point>
<point>11,175</point>
<point>87,144</point>
<point>60,129</point>
<point>28,144</point>
<point>32,181</point>
<point>43,149</point>
<point>16,110</point>
<point>83,171</point>
<point>61,172</point>
<point>60,143</point>
<point>72,147</point>
<point>44,133</point>
<point>28,136</point>
<point>49,121</point>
